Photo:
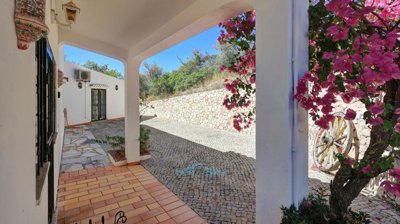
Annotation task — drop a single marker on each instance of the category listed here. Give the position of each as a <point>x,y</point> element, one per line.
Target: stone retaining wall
<point>204,108</point>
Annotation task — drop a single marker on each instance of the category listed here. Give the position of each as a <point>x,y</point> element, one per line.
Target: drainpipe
<point>293,105</point>
<point>297,48</point>
<point>85,101</point>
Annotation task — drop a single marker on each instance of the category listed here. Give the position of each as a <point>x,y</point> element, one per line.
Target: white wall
<point>18,125</point>
<point>282,127</point>
<point>78,101</point>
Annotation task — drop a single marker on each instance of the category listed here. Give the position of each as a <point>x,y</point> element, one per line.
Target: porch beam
<point>282,128</point>
<point>81,41</point>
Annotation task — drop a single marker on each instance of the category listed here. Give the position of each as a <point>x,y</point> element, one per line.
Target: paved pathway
<point>219,186</point>
<point>213,171</point>
<point>90,194</point>
<point>80,151</point>
<point>197,144</point>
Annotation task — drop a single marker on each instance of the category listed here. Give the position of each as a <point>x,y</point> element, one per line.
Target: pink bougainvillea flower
<point>350,162</point>
<point>306,204</point>
<point>395,172</point>
<point>376,108</point>
<point>366,169</point>
<point>397,128</point>
<point>375,121</point>
<point>222,68</point>
<point>253,79</point>
<point>397,111</point>
<point>391,187</point>
<point>350,114</point>
<point>328,55</point>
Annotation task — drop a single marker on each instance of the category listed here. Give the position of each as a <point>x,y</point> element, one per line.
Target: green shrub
<point>315,210</point>
<point>192,73</point>
<point>116,142</point>
<point>144,140</point>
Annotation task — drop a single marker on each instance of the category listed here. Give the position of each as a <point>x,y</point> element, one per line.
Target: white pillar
<point>282,128</point>
<point>132,150</point>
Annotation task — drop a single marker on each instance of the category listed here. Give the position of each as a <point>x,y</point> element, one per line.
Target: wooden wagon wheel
<point>341,137</point>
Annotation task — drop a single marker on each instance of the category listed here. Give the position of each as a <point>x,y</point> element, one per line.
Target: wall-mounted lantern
<point>70,11</point>
<point>116,87</point>
<point>80,85</point>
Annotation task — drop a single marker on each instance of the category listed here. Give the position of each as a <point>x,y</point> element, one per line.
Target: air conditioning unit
<point>82,75</point>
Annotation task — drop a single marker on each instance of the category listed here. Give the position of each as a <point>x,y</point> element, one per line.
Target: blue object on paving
<point>214,172</point>
<point>189,171</point>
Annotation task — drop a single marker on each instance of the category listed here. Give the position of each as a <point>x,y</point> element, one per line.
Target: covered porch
<point>131,31</point>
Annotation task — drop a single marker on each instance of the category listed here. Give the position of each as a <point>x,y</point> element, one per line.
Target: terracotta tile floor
<point>103,191</point>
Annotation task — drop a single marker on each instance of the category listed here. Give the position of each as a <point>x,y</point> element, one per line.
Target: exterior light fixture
<point>80,85</point>
<point>116,87</point>
<point>70,11</point>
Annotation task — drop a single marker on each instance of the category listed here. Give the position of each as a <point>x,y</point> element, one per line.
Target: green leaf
<point>388,108</point>
<point>385,164</point>
<point>395,140</point>
<point>387,126</point>
<point>367,115</point>
<point>339,84</point>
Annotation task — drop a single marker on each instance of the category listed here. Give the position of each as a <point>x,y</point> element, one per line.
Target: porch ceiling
<point>136,25</point>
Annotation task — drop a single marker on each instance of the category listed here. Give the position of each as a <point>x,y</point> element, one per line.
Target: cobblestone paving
<point>219,186</point>
<point>221,140</point>
<point>80,151</point>
<point>201,166</point>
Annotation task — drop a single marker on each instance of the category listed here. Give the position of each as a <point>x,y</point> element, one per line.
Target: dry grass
<point>215,82</point>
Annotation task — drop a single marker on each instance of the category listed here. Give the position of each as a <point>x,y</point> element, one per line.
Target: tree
<point>103,69</point>
<point>354,56</point>
<point>144,86</point>
<point>198,61</point>
<point>193,72</point>
<point>228,54</point>
<point>153,71</point>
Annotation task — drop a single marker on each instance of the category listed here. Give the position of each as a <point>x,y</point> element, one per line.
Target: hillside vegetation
<point>200,72</point>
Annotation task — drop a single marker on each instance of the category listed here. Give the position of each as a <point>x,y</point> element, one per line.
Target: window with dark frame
<point>46,118</point>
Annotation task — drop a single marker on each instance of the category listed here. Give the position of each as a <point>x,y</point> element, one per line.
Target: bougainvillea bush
<point>354,56</point>
<point>354,53</point>
<point>239,33</point>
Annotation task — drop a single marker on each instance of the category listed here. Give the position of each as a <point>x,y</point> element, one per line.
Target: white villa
<point>33,33</point>
<point>92,98</point>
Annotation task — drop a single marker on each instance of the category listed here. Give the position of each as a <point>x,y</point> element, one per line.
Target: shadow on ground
<point>219,186</point>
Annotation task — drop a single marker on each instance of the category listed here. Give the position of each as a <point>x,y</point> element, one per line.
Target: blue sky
<point>168,59</point>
